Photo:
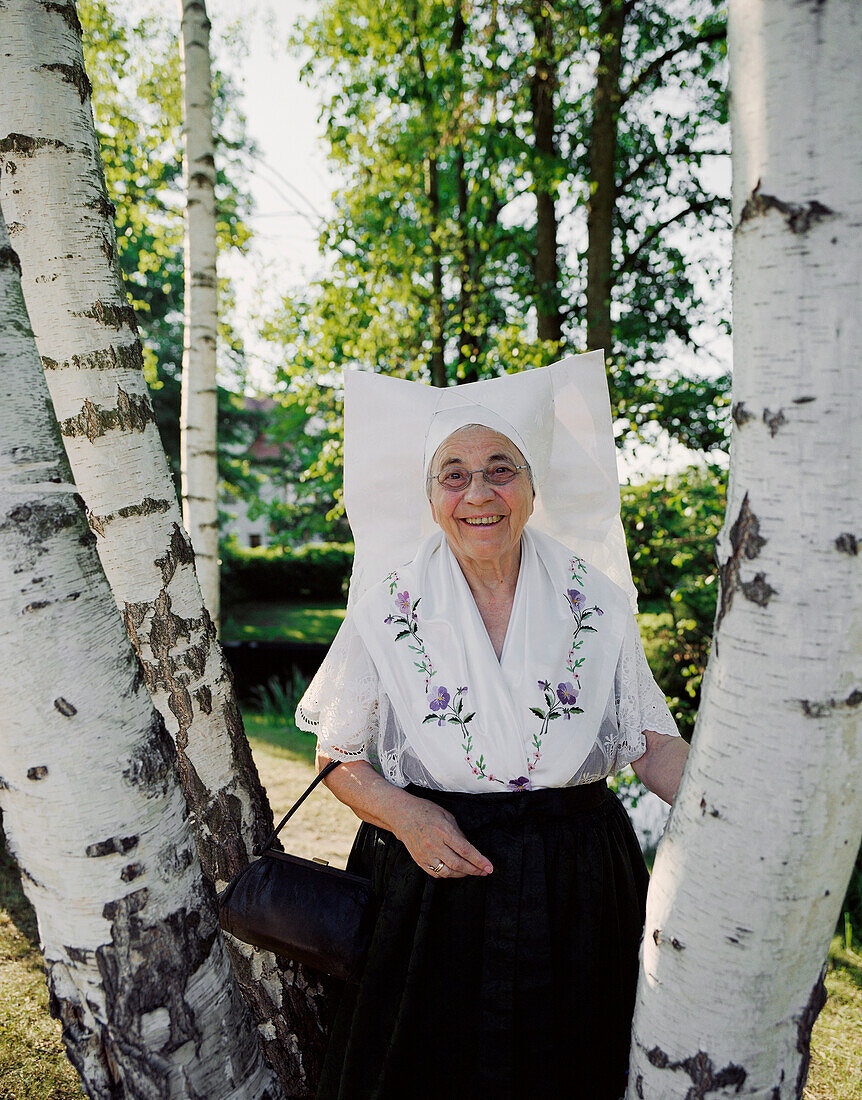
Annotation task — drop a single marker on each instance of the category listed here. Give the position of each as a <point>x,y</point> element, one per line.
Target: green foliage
<point>312,572</point>
<point>432,243</point>
<point>671,525</point>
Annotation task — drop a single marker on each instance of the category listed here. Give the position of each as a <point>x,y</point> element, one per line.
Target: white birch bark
<point>198,455</point>
<point>60,221</point>
<point>751,873</point>
<point>92,806</point>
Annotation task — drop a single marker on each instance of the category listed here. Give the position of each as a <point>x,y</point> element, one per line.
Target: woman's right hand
<point>429,833</point>
<point>432,837</point>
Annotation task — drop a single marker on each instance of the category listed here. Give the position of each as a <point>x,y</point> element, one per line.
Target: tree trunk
<point>53,193</point>
<point>749,878</point>
<point>602,181</point>
<point>198,454</point>
<point>543,84</point>
<point>92,806</point>
<point>438,305</point>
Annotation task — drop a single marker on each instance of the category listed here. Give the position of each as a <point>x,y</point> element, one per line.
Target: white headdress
<point>558,416</point>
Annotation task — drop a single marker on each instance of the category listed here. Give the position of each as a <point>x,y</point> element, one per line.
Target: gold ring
<point>439,867</point>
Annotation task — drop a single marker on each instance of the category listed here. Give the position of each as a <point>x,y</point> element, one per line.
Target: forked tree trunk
<point>92,807</point>
<point>60,221</point>
<point>750,875</point>
<point>198,444</point>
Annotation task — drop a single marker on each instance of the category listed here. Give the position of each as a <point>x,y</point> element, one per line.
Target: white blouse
<point>352,716</point>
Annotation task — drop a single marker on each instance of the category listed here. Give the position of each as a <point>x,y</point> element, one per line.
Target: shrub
<point>318,571</point>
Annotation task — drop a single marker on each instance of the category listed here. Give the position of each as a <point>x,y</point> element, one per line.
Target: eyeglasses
<point>456,478</point>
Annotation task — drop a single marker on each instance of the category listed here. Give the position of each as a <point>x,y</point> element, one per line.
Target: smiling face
<point>483,523</point>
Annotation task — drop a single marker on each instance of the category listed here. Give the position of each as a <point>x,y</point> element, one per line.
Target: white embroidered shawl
<point>476,723</point>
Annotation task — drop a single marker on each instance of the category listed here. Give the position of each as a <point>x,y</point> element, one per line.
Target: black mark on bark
<point>150,768</point>
<point>816,1001</point>
<point>740,414</point>
<point>204,699</point>
<point>803,400</point>
<point>799,216</point>
<point>639,1086</point>
<point>658,939</point>
<point>131,872</point>
<point>74,75</point>
<point>758,590</point>
<point>773,421</point>
<point>9,258</point>
<point>65,707</point>
<point>132,413</point>
<point>147,507</point>
<point>147,966</point>
<point>821,708</point>
<point>847,543</point>
<point>66,12</point>
<point>24,145</point>
<point>111,315</point>
<point>126,357</point>
<point>121,844</point>
<point>711,810</point>
<point>745,542</point>
<point>37,773</point>
<point>704,1076</point>
<point>179,552</point>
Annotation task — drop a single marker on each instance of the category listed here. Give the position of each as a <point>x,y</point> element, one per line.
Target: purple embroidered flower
<point>567,694</point>
<point>544,684</point>
<point>522,783</point>
<point>461,691</point>
<point>440,700</point>
<point>599,611</point>
<point>577,600</point>
<point>388,619</point>
<point>403,601</point>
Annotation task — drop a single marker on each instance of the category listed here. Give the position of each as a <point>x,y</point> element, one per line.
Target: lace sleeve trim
<point>641,704</point>
<point>340,704</point>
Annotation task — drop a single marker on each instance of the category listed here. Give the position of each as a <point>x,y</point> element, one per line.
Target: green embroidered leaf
<point>457,721</point>
<point>402,634</point>
<point>538,713</point>
<point>415,605</point>
<point>577,710</point>
<point>556,714</point>
<point>430,718</point>
<point>460,706</point>
<point>590,628</point>
<point>469,717</point>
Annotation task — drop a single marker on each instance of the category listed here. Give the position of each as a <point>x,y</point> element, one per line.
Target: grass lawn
<point>33,1065</point>
<point>263,621</point>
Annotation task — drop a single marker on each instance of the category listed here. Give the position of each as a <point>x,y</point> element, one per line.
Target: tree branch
<point>657,63</point>
<point>702,206</point>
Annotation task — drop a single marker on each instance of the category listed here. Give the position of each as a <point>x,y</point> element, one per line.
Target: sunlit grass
<point>265,621</point>
<point>33,1063</point>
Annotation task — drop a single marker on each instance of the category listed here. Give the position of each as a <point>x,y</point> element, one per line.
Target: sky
<point>293,180</point>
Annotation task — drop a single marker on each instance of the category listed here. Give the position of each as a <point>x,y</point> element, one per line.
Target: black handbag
<point>299,908</point>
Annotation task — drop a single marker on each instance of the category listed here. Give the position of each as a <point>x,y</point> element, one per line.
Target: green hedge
<point>315,572</point>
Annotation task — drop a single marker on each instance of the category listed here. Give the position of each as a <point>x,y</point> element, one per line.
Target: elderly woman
<point>479,696</point>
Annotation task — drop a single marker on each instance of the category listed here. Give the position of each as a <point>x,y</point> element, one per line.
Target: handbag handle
<point>224,896</point>
<point>259,848</point>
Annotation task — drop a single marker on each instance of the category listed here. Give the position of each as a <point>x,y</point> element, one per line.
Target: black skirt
<point>519,983</point>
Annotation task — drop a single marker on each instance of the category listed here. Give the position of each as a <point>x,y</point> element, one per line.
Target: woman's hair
<point>464,428</point>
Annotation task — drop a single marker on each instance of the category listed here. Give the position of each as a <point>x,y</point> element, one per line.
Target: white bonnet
<point>559,418</point>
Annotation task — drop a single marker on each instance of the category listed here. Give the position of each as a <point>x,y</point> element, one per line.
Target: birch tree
<point>749,878</point>
<point>52,191</point>
<point>198,456</point>
<point>92,807</point>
